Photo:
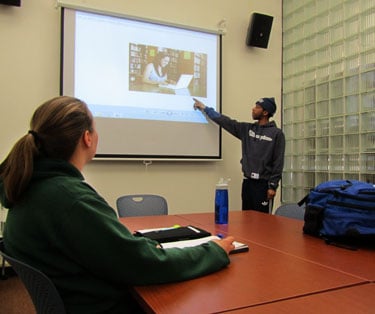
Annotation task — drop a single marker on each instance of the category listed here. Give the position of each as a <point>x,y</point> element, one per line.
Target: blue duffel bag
<point>341,211</point>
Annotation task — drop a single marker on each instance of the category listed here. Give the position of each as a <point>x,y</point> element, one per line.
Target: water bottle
<point>221,202</point>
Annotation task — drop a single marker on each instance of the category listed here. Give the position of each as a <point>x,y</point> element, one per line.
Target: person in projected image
<point>263,148</point>
<point>156,72</point>
<point>60,225</point>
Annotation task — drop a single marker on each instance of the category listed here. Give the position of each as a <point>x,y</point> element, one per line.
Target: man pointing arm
<point>263,148</point>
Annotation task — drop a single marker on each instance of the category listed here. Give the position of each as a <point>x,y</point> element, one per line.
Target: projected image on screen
<point>169,71</point>
<point>141,76</point>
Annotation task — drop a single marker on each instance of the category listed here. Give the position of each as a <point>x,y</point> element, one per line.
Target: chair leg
<point>2,272</point>
<point>2,275</point>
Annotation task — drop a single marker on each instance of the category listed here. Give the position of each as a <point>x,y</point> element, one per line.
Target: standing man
<point>263,148</point>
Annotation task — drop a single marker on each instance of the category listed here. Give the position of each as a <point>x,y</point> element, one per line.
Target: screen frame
<point>149,157</point>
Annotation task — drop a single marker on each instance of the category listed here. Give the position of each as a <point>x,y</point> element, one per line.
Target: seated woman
<point>60,225</point>
<point>156,72</point>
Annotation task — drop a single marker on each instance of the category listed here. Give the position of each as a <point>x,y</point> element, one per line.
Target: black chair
<point>43,292</point>
<point>292,210</point>
<point>141,205</point>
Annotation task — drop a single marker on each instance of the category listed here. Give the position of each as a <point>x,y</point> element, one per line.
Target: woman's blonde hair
<point>55,129</point>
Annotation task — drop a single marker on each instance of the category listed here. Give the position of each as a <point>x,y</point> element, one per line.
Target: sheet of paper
<point>238,246</point>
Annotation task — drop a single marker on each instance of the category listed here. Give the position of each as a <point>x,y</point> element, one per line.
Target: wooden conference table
<point>283,269</point>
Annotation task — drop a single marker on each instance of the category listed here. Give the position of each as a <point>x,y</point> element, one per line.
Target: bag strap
<point>303,201</point>
<point>339,244</point>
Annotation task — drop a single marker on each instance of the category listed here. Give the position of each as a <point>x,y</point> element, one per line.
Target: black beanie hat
<point>268,104</point>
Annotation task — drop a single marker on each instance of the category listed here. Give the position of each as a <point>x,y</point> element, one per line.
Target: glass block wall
<point>328,93</point>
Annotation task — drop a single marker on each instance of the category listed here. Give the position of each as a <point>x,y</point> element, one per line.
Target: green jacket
<point>64,228</point>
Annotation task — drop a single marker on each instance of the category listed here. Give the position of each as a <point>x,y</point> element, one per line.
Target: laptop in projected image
<point>183,82</point>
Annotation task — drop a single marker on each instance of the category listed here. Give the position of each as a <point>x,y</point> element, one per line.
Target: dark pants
<point>254,196</point>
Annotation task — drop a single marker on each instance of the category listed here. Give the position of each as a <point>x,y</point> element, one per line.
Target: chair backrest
<point>292,210</point>
<point>141,205</point>
<point>43,292</point>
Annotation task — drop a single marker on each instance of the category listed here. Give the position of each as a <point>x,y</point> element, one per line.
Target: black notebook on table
<point>173,234</point>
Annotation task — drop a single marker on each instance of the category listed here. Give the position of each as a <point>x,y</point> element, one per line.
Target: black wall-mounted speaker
<point>16,3</point>
<point>259,30</point>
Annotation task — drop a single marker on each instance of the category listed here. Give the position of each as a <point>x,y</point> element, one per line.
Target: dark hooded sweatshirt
<point>263,147</point>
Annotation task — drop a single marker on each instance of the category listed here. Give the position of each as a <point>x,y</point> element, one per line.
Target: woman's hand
<point>226,244</point>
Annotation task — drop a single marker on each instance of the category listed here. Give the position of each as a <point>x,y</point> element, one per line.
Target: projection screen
<point>143,110</point>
